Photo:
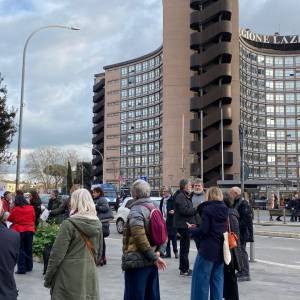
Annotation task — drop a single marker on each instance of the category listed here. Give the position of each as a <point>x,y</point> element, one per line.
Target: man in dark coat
<point>184,213</point>
<point>292,205</point>
<point>9,251</point>
<point>167,209</point>
<point>246,229</point>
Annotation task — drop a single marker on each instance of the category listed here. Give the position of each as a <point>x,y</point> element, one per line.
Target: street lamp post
<point>22,94</point>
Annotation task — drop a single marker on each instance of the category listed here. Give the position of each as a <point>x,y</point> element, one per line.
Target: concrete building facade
<point>176,112</point>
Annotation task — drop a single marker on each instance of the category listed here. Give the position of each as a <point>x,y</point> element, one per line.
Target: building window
<point>131,69</point>
<point>279,110</point>
<point>289,85</point>
<point>269,61</point>
<point>280,147</point>
<point>291,147</point>
<point>270,97</point>
<point>290,110</point>
<point>289,73</point>
<point>289,61</point>
<point>271,147</point>
<point>124,94</point>
<point>269,73</point>
<point>271,134</point>
<point>270,110</point>
<point>269,85</point>
<point>145,65</point>
<point>279,73</point>
<point>278,85</point>
<point>261,59</point>
<point>290,122</point>
<point>278,61</point>
<point>124,83</point>
<point>279,97</point>
<point>124,71</point>
<point>138,79</point>
<point>270,122</point>
<point>280,122</point>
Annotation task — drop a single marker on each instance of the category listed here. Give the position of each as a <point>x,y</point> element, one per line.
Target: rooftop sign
<point>270,39</point>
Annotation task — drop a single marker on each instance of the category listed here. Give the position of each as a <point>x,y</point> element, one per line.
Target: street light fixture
<point>22,92</point>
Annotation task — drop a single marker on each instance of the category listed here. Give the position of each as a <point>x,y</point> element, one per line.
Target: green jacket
<point>71,272</point>
<point>137,251</point>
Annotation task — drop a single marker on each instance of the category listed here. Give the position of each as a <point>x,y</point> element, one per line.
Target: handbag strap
<point>229,228</point>
<point>87,242</point>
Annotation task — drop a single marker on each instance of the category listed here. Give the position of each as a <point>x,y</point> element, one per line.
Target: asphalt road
<point>275,274</point>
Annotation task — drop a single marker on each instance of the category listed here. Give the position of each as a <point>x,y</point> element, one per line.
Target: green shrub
<point>45,235</point>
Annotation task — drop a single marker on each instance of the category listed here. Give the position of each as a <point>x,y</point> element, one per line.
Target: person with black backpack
<point>144,240</point>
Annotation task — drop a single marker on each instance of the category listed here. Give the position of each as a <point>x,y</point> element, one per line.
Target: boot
<point>176,255</point>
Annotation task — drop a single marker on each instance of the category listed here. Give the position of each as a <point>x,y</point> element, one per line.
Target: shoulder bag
<point>87,242</point>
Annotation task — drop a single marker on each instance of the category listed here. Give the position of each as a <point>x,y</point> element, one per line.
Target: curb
<point>278,234</point>
<point>276,225</point>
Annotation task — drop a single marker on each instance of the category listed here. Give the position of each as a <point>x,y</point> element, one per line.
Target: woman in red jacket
<point>22,218</point>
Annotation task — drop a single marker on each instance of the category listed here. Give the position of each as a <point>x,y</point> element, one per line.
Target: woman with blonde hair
<point>208,272</point>
<point>72,273</point>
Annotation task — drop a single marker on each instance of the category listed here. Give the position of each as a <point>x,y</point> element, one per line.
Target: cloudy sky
<point>61,63</point>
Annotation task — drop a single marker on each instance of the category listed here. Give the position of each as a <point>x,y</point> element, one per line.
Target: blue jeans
<point>142,284</point>
<point>207,275</point>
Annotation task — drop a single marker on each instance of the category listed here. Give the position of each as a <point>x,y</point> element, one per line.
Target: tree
<point>84,174</point>
<point>69,178</point>
<point>7,125</point>
<point>49,166</point>
<point>58,173</point>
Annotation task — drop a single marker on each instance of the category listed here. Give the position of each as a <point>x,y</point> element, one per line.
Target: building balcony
<point>211,55</point>
<point>211,12</point>
<point>99,96</point>
<point>212,76</point>
<point>213,96</point>
<point>98,86</point>
<point>212,33</point>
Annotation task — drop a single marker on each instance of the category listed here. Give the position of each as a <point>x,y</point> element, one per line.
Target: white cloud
<point>61,63</point>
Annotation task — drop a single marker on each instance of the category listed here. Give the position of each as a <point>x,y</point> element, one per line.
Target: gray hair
<point>236,190</point>
<point>183,183</point>
<point>140,189</point>
<point>198,181</point>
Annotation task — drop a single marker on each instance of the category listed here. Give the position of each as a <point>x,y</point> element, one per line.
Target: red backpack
<point>158,228</point>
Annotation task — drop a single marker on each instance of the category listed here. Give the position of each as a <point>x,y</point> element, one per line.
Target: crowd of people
<point>149,238</point>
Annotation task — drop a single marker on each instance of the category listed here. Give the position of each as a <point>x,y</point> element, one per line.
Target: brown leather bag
<point>232,237</point>
<point>87,242</point>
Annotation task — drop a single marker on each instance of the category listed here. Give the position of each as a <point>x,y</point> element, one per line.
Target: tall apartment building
<point>176,112</point>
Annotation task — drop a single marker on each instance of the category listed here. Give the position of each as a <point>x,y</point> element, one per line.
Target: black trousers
<point>184,263</point>
<point>104,248</point>
<point>231,290</point>
<point>171,238</point>
<point>25,263</point>
<point>245,260</point>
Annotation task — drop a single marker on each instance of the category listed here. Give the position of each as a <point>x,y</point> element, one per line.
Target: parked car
<point>123,211</point>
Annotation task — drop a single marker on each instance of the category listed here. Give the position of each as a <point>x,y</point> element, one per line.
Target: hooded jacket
<point>71,272</point>
<point>137,251</point>
<point>210,233</point>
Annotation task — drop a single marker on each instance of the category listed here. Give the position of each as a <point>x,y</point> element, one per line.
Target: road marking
<point>272,263</point>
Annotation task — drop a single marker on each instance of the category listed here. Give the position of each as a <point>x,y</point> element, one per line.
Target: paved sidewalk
<point>275,275</point>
